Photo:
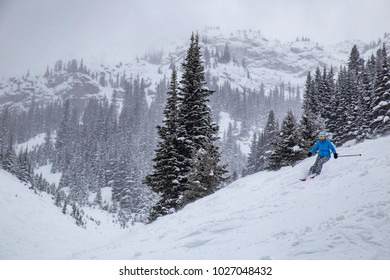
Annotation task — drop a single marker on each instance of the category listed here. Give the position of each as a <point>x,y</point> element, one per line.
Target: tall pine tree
<point>381,98</point>
<point>164,179</point>
<point>196,131</point>
<point>289,148</point>
<point>309,125</point>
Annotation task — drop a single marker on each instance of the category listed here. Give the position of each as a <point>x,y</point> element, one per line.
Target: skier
<point>324,146</point>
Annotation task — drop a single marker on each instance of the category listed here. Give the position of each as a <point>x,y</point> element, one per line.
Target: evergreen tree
<point>24,171</point>
<point>98,199</point>
<point>58,200</point>
<point>202,178</point>
<point>78,215</point>
<point>355,94</point>
<point>164,179</point>
<point>338,124</point>
<point>310,121</point>
<point>262,151</point>
<point>186,131</point>
<point>196,131</point>
<point>355,62</point>
<point>64,208</point>
<point>252,156</point>
<point>365,88</point>
<point>328,78</point>
<point>289,149</point>
<point>120,179</point>
<point>9,158</point>
<point>207,57</point>
<point>38,182</point>
<point>231,153</point>
<point>265,144</point>
<point>63,140</point>
<point>326,92</point>
<point>226,57</point>
<point>111,122</point>
<point>380,124</point>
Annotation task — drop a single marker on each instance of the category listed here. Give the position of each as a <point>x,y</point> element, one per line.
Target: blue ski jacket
<point>324,147</point>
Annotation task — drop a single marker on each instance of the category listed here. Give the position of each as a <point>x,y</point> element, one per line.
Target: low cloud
<point>35,33</point>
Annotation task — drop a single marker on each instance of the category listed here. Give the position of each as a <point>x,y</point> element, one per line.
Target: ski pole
<point>357,155</point>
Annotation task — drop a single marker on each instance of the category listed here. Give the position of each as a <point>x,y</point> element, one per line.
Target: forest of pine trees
<point>355,105</point>
<point>98,143</point>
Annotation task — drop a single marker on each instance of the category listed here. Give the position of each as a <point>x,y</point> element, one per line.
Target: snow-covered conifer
<point>289,148</point>
<point>164,179</point>
<point>380,124</point>
<point>196,129</point>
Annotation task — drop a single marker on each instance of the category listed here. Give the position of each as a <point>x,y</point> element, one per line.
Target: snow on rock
<point>342,214</point>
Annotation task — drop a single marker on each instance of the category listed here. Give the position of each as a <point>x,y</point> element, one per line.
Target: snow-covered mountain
<point>254,60</point>
<point>341,214</point>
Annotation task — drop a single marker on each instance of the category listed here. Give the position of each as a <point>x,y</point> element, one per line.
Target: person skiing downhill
<point>324,146</point>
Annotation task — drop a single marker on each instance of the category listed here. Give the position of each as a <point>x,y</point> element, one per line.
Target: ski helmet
<point>322,135</point>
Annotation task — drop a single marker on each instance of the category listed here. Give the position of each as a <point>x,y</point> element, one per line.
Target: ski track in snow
<point>341,214</point>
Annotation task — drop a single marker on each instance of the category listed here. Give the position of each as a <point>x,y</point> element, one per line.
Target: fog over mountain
<point>37,33</point>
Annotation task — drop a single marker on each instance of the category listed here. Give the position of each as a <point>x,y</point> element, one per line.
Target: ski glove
<point>309,154</point>
<point>336,155</point>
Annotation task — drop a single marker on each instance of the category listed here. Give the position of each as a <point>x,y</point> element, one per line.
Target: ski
<point>309,177</point>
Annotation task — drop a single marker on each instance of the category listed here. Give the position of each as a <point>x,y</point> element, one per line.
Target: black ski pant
<point>317,166</point>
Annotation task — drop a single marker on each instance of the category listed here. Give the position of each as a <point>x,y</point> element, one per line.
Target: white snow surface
<point>342,214</point>
<point>31,227</point>
<point>52,178</point>
<point>32,143</point>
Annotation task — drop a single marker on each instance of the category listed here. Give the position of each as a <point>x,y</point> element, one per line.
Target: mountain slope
<point>31,227</point>
<point>254,60</point>
<point>342,214</point>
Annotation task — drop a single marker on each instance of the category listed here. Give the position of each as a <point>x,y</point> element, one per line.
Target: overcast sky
<point>35,33</point>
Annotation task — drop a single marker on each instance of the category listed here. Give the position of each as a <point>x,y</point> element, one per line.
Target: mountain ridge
<point>255,60</point>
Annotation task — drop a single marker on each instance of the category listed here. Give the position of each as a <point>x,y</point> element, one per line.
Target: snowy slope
<point>32,227</point>
<point>342,214</point>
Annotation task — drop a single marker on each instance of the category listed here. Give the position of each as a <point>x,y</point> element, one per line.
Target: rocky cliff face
<point>253,60</point>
